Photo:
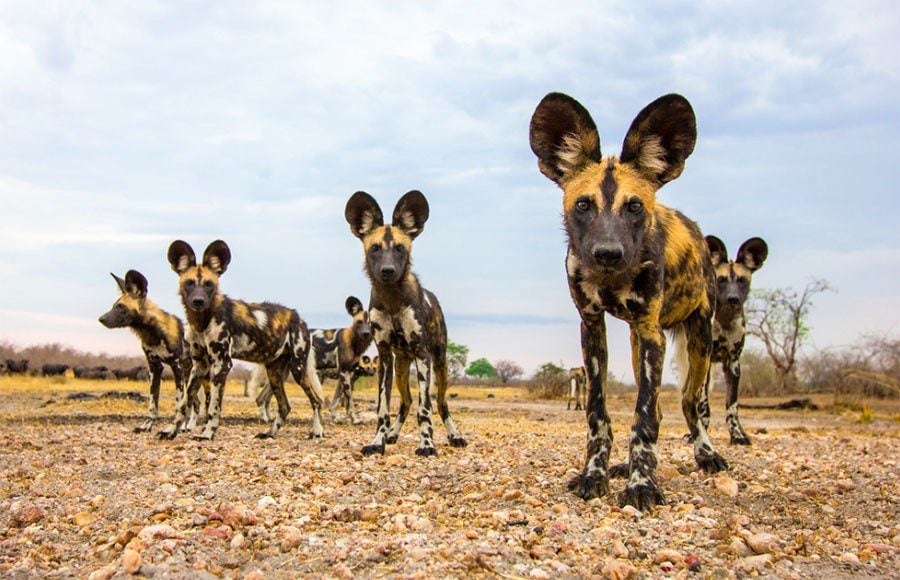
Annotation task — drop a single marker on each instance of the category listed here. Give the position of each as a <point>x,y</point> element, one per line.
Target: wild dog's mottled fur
<point>638,260</point>
<point>576,388</point>
<point>220,328</point>
<point>338,356</point>
<point>407,320</point>
<point>732,289</point>
<point>161,335</point>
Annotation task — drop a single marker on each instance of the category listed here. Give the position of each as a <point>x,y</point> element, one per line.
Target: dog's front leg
<point>642,491</point>
<point>425,377</point>
<point>385,379</point>
<point>594,479</point>
<point>154,365</point>
<point>219,370</point>
<point>732,369</point>
<point>184,403</point>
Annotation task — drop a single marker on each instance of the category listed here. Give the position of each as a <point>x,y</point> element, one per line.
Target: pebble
<point>763,543</point>
<point>131,561</point>
<point>672,556</point>
<point>104,573</point>
<point>619,550</point>
<point>83,519</point>
<point>238,541</point>
<point>265,501</point>
<point>291,537</point>
<point>751,563</point>
<point>739,548</point>
<point>619,570</point>
<point>538,573</point>
<point>849,558</point>
<point>726,485</point>
<point>157,531</point>
<point>255,575</point>
<point>341,570</point>
<point>28,515</point>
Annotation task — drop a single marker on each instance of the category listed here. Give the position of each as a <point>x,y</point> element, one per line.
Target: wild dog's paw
<point>589,486</point>
<point>643,496</point>
<point>391,439</point>
<point>373,449</point>
<point>619,470</point>
<point>206,435</point>
<point>168,433</point>
<point>687,438</point>
<point>264,435</point>
<point>739,437</point>
<point>144,427</point>
<point>713,463</point>
<point>426,452</point>
<point>317,434</point>
<point>457,441</point>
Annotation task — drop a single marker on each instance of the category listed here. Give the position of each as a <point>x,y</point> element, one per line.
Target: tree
<point>779,319</point>
<point>481,368</point>
<point>457,358</point>
<point>507,370</point>
<point>550,381</point>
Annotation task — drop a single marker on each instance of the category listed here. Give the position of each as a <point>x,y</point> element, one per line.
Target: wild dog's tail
<point>679,351</point>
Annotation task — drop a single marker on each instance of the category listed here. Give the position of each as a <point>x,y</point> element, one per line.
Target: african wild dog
<point>220,329</point>
<point>406,318</point>
<point>161,335</point>
<point>642,262</point>
<point>338,352</point>
<point>576,388</point>
<point>732,289</point>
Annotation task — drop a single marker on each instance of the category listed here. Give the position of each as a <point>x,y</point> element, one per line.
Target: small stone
<point>97,501</point>
<point>471,534</point>
<point>672,556</point>
<point>28,515</point>
<point>220,532</point>
<point>255,575</point>
<point>512,494</point>
<point>739,548</point>
<point>157,531</point>
<point>751,563</point>
<point>104,573</point>
<point>763,543</point>
<point>726,485</point>
<point>131,561</point>
<point>619,550</point>
<point>692,561</point>
<point>619,570</point>
<point>849,558</point>
<point>291,537</point>
<point>197,520</point>
<point>83,519</point>
<point>538,573</point>
<point>238,541</point>
<point>264,502</point>
<point>632,511</point>
<point>341,570</point>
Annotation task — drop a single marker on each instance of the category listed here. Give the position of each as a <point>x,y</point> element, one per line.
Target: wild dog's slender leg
<point>440,379</point>
<point>642,491</point>
<point>155,366</point>
<point>401,376</point>
<point>385,378</point>
<point>571,394</point>
<point>593,481</point>
<point>579,394</point>
<point>183,405</point>
<point>732,370</point>
<point>219,374</point>
<point>263,398</point>
<point>345,384</point>
<point>703,404</point>
<point>425,378</point>
<point>303,367</point>
<point>623,468</point>
<point>276,373</point>
<point>337,398</point>
<point>698,330</point>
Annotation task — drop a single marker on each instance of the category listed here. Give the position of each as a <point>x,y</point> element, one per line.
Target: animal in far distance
<point>639,261</point>
<point>138,373</point>
<point>576,388</point>
<point>406,319</point>
<point>728,330</point>
<point>53,369</point>
<point>17,367</point>
<point>220,328</point>
<point>161,335</point>
<point>95,373</point>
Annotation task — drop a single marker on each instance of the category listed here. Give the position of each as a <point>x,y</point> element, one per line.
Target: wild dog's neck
<point>144,327</point>
<point>392,297</point>
<point>729,316</point>
<point>357,344</point>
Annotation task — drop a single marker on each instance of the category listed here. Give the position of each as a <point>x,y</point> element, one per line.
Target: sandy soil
<point>80,494</point>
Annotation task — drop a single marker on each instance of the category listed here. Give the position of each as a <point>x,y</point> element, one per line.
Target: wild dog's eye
<point>583,205</point>
<point>375,248</point>
<point>722,279</point>
<point>207,283</point>
<point>635,206</point>
<point>189,283</point>
<point>120,306</point>
<point>399,249</point>
<point>742,280</point>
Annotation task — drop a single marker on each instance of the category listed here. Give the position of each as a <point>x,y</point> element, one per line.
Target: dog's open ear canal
<point>564,137</point>
<point>181,256</point>
<point>353,305</point>
<point>123,288</point>
<point>717,252</point>
<point>136,284</point>
<point>363,214</point>
<point>753,253</point>
<point>217,256</point>
<point>411,213</point>
<point>661,138</point>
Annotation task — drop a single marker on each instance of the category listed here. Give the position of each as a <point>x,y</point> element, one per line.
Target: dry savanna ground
<point>80,494</point>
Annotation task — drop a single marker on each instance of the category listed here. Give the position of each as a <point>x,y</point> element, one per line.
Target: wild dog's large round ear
<point>753,253</point>
<point>120,283</point>
<point>217,256</point>
<point>411,213</point>
<point>181,256</point>
<point>661,138</point>
<point>363,214</point>
<point>717,251</point>
<point>353,305</point>
<point>563,136</point>
<point>136,284</point>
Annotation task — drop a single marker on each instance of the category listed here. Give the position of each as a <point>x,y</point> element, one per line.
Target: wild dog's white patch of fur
<point>262,319</point>
<point>409,323</point>
<point>184,262</point>
<point>653,154</point>
<point>571,154</point>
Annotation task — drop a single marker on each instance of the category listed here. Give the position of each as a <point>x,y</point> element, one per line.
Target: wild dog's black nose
<point>734,300</point>
<point>608,255</point>
<point>365,333</point>
<point>198,302</point>
<point>387,271</point>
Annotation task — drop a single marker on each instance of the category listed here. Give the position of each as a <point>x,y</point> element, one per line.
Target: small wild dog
<point>732,289</point>
<point>220,329</point>
<point>161,335</point>
<point>576,388</point>
<point>339,352</point>
<point>641,262</point>
<point>406,318</point>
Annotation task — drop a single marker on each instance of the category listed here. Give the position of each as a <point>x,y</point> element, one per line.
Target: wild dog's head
<point>360,327</point>
<point>367,366</point>
<point>733,277</point>
<point>387,248</point>
<point>127,309</point>
<point>608,204</point>
<point>199,284</point>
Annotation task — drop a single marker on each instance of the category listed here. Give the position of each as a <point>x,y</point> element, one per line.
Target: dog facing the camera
<point>639,261</point>
<point>406,319</point>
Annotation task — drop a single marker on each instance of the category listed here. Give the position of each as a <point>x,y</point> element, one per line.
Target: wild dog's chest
<point>218,338</point>
<point>160,351</point>
<point>401,329</point>
<point>728,339</point>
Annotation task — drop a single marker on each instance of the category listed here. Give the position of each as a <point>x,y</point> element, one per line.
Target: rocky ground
<point>816,495</point>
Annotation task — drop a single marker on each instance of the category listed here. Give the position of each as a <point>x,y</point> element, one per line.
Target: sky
<point>128,125</point>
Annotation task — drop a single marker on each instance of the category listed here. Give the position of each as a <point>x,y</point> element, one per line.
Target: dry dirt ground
<point>816,495</point>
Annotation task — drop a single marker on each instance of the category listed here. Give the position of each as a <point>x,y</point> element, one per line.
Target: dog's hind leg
<point>440,379</point>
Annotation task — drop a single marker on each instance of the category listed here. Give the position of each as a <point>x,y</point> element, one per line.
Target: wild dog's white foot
<point>207,435</point>
<point>457,441</point>
<point>169,432</point>
<point>426,451</point>
<point>144,427</point>
<point>711,462</point>
<point>643,496</point>
<point>589,486</point>
<point>740,438</point>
